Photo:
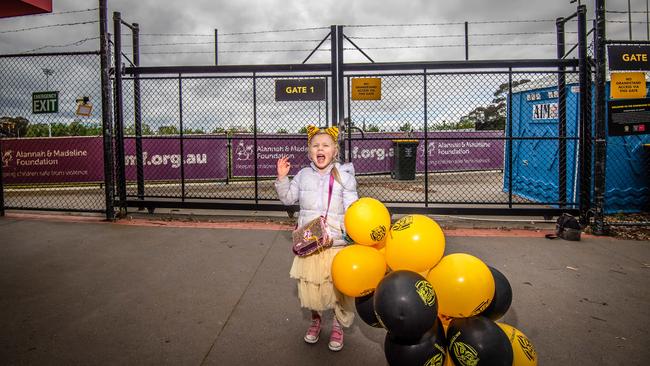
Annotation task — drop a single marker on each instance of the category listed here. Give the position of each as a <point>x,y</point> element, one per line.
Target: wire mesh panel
<point>50,121</point>
<point>374,125</point>
<point>479,125</point>
<point>223,120</point>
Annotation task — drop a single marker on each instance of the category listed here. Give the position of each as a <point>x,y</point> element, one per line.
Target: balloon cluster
<point>437,310</point>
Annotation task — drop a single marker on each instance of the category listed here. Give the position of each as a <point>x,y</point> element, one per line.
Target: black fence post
<point>466,41</point>
<point>510,148</point>
<point>426,143</point>
<point>255,137</point>
<point>107,120</point>
<point>348,156</point>
<point>600,142</point>
<point>2,187</point>
<point>137,106</point>
<point>216,47</point>
<point>561,98</point>
<point>334,72</point>
<point>181,135</point>
<point>339,68</point>
<point>119,114</point>
<point>585,117</point>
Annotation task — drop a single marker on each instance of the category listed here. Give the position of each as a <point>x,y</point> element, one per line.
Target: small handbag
<point>314,236</point>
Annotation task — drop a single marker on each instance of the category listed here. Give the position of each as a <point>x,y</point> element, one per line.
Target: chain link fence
<point>199,134</point>
<point>469,130</point>
<point>50,121</point>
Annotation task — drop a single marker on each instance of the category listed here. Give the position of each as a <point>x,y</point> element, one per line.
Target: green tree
<point>197,131</point>
<point>282,131</point>
<point>37,130</point>
<point>168,130</point>
<point>406,127</point>
<point>493,115</point>
<point>146,130</point>
<point>60,129</point>
<point>372,128</point>
<point>303,129</point>
<point>13,126</point>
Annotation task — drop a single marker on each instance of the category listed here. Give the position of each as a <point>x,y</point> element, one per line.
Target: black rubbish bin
<point>404,157</point>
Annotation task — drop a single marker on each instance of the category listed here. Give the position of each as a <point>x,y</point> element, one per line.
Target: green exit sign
<point>45,102</point>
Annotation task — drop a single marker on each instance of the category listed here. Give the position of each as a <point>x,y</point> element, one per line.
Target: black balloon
<point>502,296</point>
<point>406,304</point>
<point>477,339</point>
<point>366,310</point>
<point>431,348</point>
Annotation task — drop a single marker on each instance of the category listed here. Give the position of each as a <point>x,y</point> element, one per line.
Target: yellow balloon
<point>415,243</point>
<point>357,270</point>
<point>367,221</point>
<point>522,349</point>
<point>463,283</point>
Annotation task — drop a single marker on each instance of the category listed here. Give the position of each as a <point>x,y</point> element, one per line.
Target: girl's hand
<point>283,167</point>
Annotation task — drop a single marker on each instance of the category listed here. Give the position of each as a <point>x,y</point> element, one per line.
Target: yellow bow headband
<point>313,131</point>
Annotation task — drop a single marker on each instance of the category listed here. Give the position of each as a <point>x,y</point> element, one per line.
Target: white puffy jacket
<point>310,189</point>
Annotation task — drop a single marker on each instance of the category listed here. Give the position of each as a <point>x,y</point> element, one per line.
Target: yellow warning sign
<point>628,85</point>
<point>366,89</point>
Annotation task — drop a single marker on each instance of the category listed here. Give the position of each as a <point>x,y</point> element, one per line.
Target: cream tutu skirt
<point>315,288</point>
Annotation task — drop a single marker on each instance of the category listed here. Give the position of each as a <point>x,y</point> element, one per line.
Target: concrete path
<point>81,291</point>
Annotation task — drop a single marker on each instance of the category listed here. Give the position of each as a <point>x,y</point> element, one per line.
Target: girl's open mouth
<point>320,159</point>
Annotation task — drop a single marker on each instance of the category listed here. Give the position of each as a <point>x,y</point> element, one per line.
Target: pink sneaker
<point>314,331</point>
<point>336,338</point>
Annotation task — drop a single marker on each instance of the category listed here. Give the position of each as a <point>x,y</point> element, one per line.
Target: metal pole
<point>137,106</point>
<point>107,122</point>
<point>340,81</point>
<point>334,70</point>
<point>509,106</point>
<point>348,156</point>
<point>466,42</point>
<point>339,68</point>
<point>584,151</point>
<point>2,187</point>
<point>216,46</point>
<point>255,138</point>
<point>647,22</point>
<point>561,97</point>
<point>600,148</point>
<point>119,116</point>
<point>426,144</point>
<point>629,18</point>
<point>180,125</point>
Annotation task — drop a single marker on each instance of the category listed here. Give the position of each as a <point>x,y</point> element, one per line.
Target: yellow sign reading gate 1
<point>628,85</point>
<point>366,89</point>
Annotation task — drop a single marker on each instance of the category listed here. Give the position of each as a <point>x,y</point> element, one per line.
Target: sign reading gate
<point>45,102</point>
<point>629,58</point>
<point>299,89</point>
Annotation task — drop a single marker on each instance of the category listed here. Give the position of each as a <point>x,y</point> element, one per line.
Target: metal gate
<point>481,148</point>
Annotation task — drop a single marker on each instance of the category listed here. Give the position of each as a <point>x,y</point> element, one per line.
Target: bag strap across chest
<point>329,194</point>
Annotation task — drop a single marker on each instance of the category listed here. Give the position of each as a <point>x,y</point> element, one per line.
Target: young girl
<point>310,187</point>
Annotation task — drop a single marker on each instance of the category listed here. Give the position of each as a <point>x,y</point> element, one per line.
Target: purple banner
<point>448,151</point>
<point>161,159</point>
<point>52,160</point>
<point>268,153</point>
<point>80,159</point>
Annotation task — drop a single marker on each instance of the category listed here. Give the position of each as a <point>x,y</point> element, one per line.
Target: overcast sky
<point>368,23</point>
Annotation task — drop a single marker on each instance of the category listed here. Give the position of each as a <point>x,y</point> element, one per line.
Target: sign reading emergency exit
<point>45,102</point>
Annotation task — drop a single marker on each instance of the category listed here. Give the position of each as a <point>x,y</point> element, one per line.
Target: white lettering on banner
<point>378,154</point>
<point>545,111</point>
<point>173,160</point>
<point>455,148</point>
